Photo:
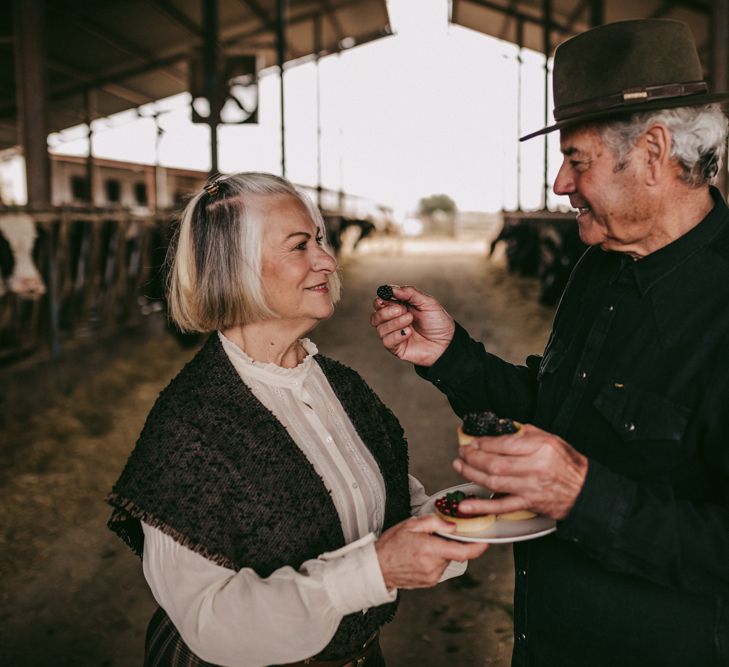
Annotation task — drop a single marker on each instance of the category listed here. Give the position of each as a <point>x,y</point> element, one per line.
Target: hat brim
<point>622,112</point>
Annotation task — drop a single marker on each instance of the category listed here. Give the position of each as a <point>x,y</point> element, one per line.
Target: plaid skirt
<point>164,647</point>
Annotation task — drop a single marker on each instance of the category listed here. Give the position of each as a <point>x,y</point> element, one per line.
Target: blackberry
<point>487,423</point>
<point>385,293</point>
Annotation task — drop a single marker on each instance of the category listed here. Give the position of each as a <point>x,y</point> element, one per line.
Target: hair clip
<point>212,188</point>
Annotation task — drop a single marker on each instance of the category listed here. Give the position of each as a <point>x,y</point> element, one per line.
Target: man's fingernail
<point>457,465</point>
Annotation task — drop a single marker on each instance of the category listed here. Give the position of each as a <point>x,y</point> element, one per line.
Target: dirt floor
<point>72,594</point>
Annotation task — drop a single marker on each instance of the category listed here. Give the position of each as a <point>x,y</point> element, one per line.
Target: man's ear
<point>657,143</point>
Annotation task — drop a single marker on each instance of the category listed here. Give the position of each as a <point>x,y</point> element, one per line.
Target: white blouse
<point>238,619</point>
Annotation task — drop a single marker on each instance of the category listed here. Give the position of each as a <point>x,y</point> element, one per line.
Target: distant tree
<point>427,206</point>
<point>438,213</point>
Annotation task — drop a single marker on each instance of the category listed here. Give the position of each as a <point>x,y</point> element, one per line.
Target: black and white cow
<point>18,272</point>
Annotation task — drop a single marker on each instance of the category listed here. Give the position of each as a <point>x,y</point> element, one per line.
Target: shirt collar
<point>652,268</point>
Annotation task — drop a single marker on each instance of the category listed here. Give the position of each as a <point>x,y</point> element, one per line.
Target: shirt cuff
<point>462,357</point>
<point>455,569</point>
<point>353,579</point>
<point>599,510</point>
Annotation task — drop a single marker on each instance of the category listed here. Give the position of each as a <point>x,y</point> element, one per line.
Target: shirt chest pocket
<point>639,415</point>
<point>554,354</point>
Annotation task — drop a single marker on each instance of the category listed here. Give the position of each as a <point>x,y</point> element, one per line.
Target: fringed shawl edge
<point>126,510</point>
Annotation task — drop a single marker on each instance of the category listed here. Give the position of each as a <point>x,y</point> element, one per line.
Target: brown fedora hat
<point>626,67</point>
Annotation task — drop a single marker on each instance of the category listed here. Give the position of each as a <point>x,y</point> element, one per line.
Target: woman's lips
<point>322,287</point>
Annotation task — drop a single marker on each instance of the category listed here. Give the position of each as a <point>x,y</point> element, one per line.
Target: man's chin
<point>592,234</point>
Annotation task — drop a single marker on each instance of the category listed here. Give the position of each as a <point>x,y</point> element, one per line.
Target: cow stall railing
<point>541,244</point>
<point>99,270</point>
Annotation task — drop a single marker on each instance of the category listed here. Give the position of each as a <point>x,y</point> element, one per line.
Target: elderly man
<point>626,442</point>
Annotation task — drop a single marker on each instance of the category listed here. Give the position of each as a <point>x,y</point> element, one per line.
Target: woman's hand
<point>416,328</point>
<point>410,557</point>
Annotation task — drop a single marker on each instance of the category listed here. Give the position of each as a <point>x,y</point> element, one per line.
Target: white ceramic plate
<point>500,532</point>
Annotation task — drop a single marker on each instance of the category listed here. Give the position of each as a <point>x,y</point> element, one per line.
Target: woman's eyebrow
<point>306,234</point>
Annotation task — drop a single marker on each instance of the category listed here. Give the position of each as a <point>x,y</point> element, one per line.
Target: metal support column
<point>547,45</point>
<point>31,95</point>
<point>89,110</point>
<point>30,83</point>
<point>720,67</point>
<point>317,48</point>
<point>212,74</point>
<point>519,65</point>
<point>597,16</point>
<point>281,19</point>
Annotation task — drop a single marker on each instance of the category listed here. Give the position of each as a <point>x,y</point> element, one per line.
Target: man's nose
<point>564,184</point>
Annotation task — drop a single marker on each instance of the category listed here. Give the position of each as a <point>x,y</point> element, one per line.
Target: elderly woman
<point>269,493</point>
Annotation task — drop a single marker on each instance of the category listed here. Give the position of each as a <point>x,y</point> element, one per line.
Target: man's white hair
<point>698,138</point>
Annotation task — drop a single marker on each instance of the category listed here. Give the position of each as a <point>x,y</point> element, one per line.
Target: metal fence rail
<point>102,270</point>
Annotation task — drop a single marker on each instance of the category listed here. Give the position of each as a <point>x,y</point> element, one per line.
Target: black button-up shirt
<point>635,376</point>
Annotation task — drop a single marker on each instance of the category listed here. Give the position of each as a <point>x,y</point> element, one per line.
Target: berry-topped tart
<point>446,507</point>
<point>477,424</point>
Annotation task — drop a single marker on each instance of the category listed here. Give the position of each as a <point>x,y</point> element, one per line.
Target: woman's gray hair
<point>214,259</point>
<point>698,138</point>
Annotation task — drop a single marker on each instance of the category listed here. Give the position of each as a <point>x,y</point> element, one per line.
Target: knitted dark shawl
<point>215,470</point>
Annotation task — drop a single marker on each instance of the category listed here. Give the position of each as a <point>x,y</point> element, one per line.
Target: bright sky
<point>430,110</point>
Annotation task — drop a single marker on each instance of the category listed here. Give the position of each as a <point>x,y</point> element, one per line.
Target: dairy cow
<point>19,273</point>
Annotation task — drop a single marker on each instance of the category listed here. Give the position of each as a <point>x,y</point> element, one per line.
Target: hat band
<point>628,97</point>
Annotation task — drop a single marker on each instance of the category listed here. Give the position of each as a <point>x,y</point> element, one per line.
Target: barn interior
<point>84,341</point>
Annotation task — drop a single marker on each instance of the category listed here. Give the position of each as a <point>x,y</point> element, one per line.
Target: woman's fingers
<point>411,556</point>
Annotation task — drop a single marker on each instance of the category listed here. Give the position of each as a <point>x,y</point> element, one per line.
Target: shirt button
<point>522,636</point>
<point>576,540</point>
<point>583,375</point>
<point>611,308</point>
<point>630,427</point>
<point>330,439</point>
<point>522,573</point>
<point>355,485</point>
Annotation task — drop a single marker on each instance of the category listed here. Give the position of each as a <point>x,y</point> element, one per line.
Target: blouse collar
<point>267,372</point>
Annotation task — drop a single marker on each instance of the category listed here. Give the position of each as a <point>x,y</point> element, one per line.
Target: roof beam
<point>178,16</point>
<point>233,38</point>
<point>662,10</point>
<point>507,20</point>
<point>265,18</point>
<point>694,5</point>
<point>124,92</point>
<point>112,39</point>
<point>332,16</point>
<point>576,13</point>
<point>515,13</point>
<point>173,58</point>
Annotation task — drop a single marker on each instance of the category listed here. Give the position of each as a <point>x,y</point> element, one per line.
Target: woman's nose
<point>324,261</point>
